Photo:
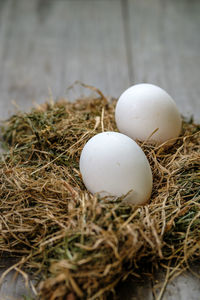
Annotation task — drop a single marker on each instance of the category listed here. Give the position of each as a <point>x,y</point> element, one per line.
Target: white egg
<point>147,112</point>
<point>113,164</point>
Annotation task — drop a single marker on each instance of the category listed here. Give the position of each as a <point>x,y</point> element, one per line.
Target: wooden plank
<point>5,7</point>
<point>50,44</point>
<point>184,287</point>
<point>13,287</point>
<point>165,42</point>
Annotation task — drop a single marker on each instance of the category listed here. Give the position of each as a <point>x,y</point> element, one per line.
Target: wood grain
<point>165,46</point>
<point>13,286</point>
<point>50,44</point>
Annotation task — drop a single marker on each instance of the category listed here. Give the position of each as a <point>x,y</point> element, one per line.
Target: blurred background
<point>45,45</point>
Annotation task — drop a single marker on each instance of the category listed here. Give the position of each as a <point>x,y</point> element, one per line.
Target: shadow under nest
<point>79,244</point>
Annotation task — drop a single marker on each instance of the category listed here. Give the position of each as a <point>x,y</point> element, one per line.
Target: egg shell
<point>145,108</point>
<point>113,164</point>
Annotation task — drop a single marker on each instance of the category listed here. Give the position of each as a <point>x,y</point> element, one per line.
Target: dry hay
<point>80,244</point>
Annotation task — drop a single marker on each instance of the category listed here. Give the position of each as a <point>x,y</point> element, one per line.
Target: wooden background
<point>45,45</point>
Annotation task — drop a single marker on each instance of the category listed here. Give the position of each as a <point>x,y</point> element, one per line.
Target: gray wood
<point>184,287</point>
<point>165,46</point>
<point>50,44</point>
<point>13,286</point>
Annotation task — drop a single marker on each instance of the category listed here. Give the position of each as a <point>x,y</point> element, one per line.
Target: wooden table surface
<point>45,45</point>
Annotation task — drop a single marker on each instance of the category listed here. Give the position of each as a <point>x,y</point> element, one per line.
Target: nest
<point>81,245</point>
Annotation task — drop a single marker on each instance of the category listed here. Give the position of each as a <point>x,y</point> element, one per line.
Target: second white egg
<point>146,112</point>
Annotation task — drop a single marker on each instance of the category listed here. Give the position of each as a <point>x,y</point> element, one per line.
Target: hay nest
<point>82,245</point>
